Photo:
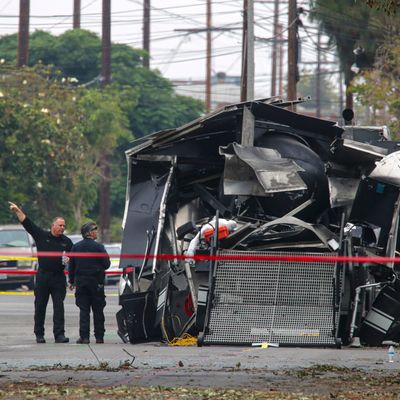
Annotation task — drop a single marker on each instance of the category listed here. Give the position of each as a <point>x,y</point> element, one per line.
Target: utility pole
<point>250,50</point>
<point>23,33</point>
<point>106,44</point>
<point>104,160</point>
<point>280,58</point>
<point>146,33</point>
<point>318,77</point>
<point>208,58</point>
<point>243,79</point>
<point>341,108</point>
<point>208,29</point>
<point>292,51</point>
<point>274,49</point>
<point>77,15</point>
<point>247,78</point>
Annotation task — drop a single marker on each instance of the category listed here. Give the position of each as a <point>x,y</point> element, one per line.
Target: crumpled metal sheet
<point>388,169</point>
<point>259,171</point>
<point>364,151</point>
<point>342,190</point>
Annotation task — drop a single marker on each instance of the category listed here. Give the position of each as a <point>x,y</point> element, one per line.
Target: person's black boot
<point>82,341</point>
<point>61,339</point>
<point>40,339</point>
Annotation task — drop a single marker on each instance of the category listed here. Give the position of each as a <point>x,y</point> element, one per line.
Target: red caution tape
<point>18,271</point>
<point>204,257</point>
<point>34,272</point>
<point>233,257</point>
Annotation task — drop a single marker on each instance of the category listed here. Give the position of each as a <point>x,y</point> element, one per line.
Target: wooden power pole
<point>106,43</point>
<point>23,33</point>
<point>77,15</point>
<point>243,79</point>
<point>274,50</point>
<point>280,58</point>
<point>318,78</point>
<point>146,33</point>
<point>104,202</point>
<point>250,50</point>
<point>208,58</point>
<point>208,29</point>
<point>292,51</point>
<point>247,78</point>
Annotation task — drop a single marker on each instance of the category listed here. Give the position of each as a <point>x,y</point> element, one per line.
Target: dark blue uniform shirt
<point>93,266</point>
<point>45,241</point>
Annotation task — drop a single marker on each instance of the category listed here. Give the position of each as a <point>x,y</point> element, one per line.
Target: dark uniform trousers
<point>90,295</point>
<point>50,284</point>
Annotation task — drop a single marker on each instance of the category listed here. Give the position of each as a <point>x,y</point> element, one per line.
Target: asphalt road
<point>151,363</point>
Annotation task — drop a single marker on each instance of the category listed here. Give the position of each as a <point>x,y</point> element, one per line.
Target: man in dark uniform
<point>50,277</point>
<point>87,274</point>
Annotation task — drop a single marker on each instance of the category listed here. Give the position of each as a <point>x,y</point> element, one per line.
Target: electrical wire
<point>178,54</point>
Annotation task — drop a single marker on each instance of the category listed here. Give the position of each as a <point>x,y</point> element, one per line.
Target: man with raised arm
<point>50,277</point>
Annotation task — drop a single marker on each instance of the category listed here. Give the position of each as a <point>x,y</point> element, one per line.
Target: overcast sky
<point>177,54</point>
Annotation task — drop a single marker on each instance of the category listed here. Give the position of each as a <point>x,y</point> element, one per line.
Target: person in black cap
<point>50,277</point>
<point>87,275</point>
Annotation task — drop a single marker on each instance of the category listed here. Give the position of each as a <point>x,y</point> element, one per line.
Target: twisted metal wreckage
<point>256,180</point>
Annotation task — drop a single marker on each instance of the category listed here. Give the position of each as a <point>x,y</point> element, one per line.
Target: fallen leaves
<point>34,390</point>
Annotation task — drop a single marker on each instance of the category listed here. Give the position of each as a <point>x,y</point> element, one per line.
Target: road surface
<point>157,364</point>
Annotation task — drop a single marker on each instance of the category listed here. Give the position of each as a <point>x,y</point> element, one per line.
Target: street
<point>157,364</point>
<point>16,317</point>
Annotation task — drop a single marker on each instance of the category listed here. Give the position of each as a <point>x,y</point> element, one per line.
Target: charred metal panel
<point>373,208</point>
<point>258,171</point>
<point>367,134</point>
<point>229,120</point>
<point>248,125</point>
<point>382,320</point>
<point>290,233</point>
<point>388,170</point>
<point>342,191</point>
<point>137,317</point>
<point>367,151</point>
<point>323,128</point>
<point>313,175</point>
<point>148,186</point>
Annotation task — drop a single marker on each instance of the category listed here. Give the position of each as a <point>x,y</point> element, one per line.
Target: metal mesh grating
<point>272,301</point>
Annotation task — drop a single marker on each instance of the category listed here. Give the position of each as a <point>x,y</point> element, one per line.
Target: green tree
<point>41,141</point>
<point>53,136</point>
<point>78,54</point>
<point>379,89</point>
<point>147,97</point>
<point>42,48</point>
<point>104,126</point>
<point>350,25</point>
<point>388,6</point>
<point>158,107</point>
<point>8,48</point>
<point>138,102</point>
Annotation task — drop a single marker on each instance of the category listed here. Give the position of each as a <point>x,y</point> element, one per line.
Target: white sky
<point>176,54</point>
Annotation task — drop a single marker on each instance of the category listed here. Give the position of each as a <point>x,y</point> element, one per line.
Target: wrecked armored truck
<point>237,226</point>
